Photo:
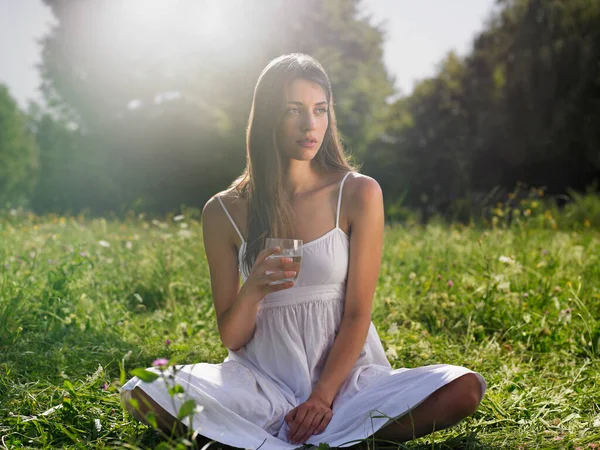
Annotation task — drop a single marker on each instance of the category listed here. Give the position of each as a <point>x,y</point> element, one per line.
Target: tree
<point>170,106</point>
<point>18,153</point>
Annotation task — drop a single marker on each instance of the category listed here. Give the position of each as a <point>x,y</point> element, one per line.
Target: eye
<point>292,110</point>
<point>322,110</point>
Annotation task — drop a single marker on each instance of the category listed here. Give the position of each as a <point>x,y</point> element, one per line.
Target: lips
<point>307,141</point>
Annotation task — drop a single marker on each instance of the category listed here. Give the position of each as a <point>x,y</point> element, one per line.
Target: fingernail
<point>291,273</point>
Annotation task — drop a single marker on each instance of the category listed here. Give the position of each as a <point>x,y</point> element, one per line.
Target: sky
<point>418,35</point>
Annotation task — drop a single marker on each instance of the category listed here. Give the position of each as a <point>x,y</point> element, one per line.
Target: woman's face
<point>305,119</point>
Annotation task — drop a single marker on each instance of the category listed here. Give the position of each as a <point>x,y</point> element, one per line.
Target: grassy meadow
<point>85,301</point>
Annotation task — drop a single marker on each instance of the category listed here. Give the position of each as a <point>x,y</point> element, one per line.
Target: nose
<point>308,122</point>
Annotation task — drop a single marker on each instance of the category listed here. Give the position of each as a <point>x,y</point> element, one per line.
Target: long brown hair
<point>262,184</point>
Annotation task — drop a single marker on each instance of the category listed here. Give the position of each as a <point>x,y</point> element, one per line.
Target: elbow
<point>231,346</point>
<point>230,343</point>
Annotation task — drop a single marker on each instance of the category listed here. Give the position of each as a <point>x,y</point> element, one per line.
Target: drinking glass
<point>289,248</point>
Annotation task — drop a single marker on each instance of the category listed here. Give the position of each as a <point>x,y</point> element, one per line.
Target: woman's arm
<point>236,317</point>
<point>366,219</point>
<point>365,216</point>
<point>237,307</point>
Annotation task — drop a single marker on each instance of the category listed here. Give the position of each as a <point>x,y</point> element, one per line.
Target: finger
<point>300,414</point>
<point>277,264</point>
<point>279,287</point>
<point>299,436</point>
<point>263,254</point>
<point>316,420</point>
<point>324,422</point>
<point>290,416</point>
<point>276,276</point>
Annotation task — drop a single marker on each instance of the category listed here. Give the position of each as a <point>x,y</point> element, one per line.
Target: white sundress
<point>246,397</point>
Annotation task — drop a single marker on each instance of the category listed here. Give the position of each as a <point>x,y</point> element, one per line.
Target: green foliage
<point>162,125</point>
<point>522,106</point>
<point>83,302</point>
<point>18,153</point>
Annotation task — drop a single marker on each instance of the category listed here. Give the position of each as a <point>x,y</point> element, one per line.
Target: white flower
<point>104,244</point>
<point>128,245</point>
<point>505,286</point>
<point>198,409</point>
<point>97,425</point>
<point>178,218</point>
<point>506,260</point>
<point>391,353</point>
<point>412,275</point>
<point>185,234</point>
<point>393,328</point>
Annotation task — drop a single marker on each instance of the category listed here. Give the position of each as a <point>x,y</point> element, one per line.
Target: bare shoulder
<point>361,190</point>
<point>215,220</point>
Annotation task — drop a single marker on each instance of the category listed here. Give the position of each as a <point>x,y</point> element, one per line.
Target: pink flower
<point>450,283</point>
<point>105,386</point>
<point>167,342</point>
<point>525,294</point>
<point>160,362</point>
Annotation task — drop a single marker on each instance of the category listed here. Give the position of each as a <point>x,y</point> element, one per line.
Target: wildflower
<point>506,259</point>
<point>128,245</point>
<point>439,277</point>
<point>391,353</point>
<point>105,386</point>
<point>185,234</point>
<point>544,252</point>
<point>412,276</point>
<point>450,283</point>
<point>525,294</point>
<point>160,362</point>
<point>103,244</point>
<point>505,286</point>
<point>564,315</point>
<point>198,409</point>
<point>393,328</point>
<point>97,425</point>
<point>167,342</point>
<point>83,254</point>
<point>178,218</point>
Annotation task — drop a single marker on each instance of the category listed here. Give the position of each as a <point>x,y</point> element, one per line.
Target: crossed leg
<point>442,409</point>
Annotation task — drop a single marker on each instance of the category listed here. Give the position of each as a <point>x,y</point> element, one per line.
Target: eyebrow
<point>300,103</point>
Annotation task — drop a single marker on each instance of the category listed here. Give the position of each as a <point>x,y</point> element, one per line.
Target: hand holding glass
<point>289,248</point>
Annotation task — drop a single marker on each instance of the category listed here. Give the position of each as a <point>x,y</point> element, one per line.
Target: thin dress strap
<point>337,215</point>
<point>231,219</point>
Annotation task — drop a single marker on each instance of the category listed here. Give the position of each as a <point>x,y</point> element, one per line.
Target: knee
<point>468,390</point>
<point>126,397</point>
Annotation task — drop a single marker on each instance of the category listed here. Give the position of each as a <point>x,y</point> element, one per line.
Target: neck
<point>300,177</point>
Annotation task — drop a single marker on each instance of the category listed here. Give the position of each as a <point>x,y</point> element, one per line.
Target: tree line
<point>151,122</point>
